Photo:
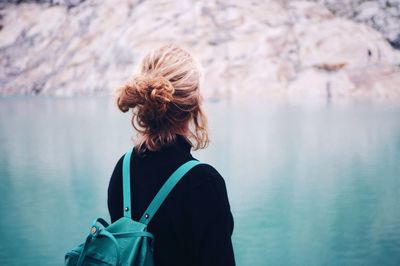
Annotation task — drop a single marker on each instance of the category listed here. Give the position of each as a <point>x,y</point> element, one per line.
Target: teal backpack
<point>124,242</point>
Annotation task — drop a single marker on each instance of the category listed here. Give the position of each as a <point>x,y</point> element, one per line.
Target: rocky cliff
<point>248,49</point>
<point>382,15</point>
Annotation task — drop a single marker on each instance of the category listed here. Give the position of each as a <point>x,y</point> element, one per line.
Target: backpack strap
<point>166,189</point>
<point>126,184</point>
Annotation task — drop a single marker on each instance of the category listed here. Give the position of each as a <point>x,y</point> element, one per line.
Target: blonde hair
<point>165,100</point>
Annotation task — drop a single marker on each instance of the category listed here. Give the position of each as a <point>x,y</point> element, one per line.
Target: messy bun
<point>152,94</point>
<point>164,99</point>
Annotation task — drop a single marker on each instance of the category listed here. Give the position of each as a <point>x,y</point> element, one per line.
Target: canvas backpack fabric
<point>124,242</point>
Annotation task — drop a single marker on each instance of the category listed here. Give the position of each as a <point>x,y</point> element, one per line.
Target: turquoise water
<point>308,185</point>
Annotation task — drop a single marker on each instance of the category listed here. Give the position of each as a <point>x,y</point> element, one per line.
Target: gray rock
<point>382,15</point>
<point>67,3</point>
<point>278,49</point>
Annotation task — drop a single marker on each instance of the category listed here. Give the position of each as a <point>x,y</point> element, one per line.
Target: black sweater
<point>194,224</point>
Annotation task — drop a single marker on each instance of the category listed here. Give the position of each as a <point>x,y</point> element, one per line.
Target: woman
<point>194,225</point>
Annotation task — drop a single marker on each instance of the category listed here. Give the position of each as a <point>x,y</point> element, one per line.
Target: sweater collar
<point>182,143</point>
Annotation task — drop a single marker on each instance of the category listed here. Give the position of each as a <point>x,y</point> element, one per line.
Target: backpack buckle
<point>94,231</point>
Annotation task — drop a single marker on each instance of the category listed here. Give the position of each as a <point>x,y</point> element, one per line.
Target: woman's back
<point>194,225</point>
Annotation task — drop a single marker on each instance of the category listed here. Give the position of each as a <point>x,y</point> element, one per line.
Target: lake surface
<point>308,184</point>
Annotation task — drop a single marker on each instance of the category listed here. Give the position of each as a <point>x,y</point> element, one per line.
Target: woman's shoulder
<point>204,174</point>
<point>206,169</point>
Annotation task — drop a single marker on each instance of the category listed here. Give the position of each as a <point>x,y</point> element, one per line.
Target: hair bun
<point>141,91</point>
<point>150,96</point>
<point>157,90</point>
